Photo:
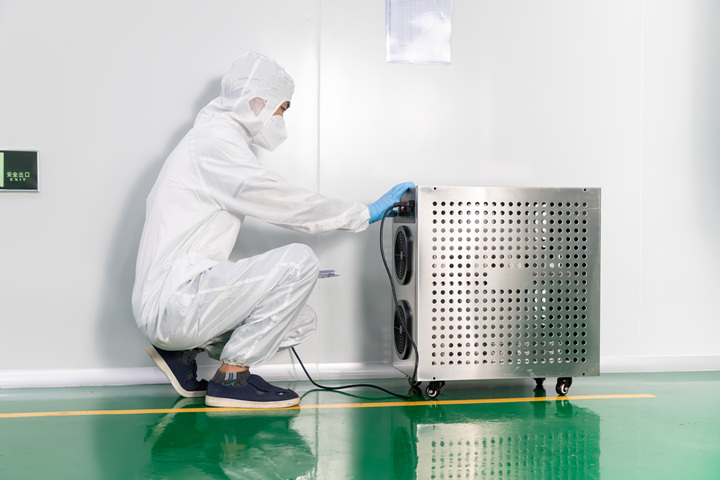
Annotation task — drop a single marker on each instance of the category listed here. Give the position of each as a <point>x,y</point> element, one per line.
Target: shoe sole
<point>211,401</point>
<point>165,368</point>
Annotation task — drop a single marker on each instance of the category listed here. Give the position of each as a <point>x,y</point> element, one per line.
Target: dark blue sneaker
<point>253,393</point>
<point>181,369</point>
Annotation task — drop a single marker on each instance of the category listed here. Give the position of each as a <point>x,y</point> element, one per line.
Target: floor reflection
<point>124,433</point>
<point>545,439</point>
<point>234,445</point>
<point>549,438</point>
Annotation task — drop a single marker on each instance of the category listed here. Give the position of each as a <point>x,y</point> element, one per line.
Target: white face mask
<point>272,135</point>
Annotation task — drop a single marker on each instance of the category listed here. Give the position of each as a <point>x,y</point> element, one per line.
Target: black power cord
<point>402,322</point>
<point>413,379</point>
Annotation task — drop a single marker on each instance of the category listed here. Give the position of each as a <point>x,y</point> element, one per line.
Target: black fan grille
<point>403,316</point>
<point>402,255</point>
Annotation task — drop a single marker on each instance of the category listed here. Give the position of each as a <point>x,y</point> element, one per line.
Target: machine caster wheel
<point>433,390</point>
<point>563,385</point>
<point>415,384</point>
<point>539,383</point>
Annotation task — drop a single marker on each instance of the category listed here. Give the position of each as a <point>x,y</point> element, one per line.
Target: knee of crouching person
<point>305,256</point>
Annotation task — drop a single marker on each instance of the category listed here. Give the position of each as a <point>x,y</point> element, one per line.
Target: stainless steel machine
<point>496,283</point>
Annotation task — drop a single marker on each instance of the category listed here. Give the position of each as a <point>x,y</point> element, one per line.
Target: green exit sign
<point>18,171</point>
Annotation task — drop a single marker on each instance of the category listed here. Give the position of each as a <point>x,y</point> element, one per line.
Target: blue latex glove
<point>386,201</point>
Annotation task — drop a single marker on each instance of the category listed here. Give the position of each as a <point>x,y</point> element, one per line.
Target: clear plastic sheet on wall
<point>418,31</point>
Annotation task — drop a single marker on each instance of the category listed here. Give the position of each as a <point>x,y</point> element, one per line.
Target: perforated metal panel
<point>501,282</point>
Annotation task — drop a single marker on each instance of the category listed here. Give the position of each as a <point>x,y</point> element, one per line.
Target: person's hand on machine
<point>378,208</point>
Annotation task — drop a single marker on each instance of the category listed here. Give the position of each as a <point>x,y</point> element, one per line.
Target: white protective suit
<point>187,294</point>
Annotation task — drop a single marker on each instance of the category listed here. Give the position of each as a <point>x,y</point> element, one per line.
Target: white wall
<point>615,94</point>
<point>681,169</point>
<point>104,91</point>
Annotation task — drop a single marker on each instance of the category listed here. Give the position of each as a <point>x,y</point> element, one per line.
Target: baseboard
<point>636,364</point>
<point>322,372</point>
<point>152,375</point>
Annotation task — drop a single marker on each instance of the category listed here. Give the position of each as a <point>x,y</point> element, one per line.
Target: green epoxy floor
<point>148,432</point>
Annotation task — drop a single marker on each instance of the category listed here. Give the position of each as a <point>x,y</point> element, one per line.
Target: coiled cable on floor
<point>402,322</point>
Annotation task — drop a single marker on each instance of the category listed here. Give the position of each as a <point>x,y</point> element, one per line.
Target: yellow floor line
<point>321,406</point>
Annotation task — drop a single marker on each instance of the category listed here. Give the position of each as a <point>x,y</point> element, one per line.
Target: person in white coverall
<point>188,296</point>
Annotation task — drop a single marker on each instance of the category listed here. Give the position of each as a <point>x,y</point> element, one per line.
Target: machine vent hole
<point>403,249</point>
<point>402,327</point>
